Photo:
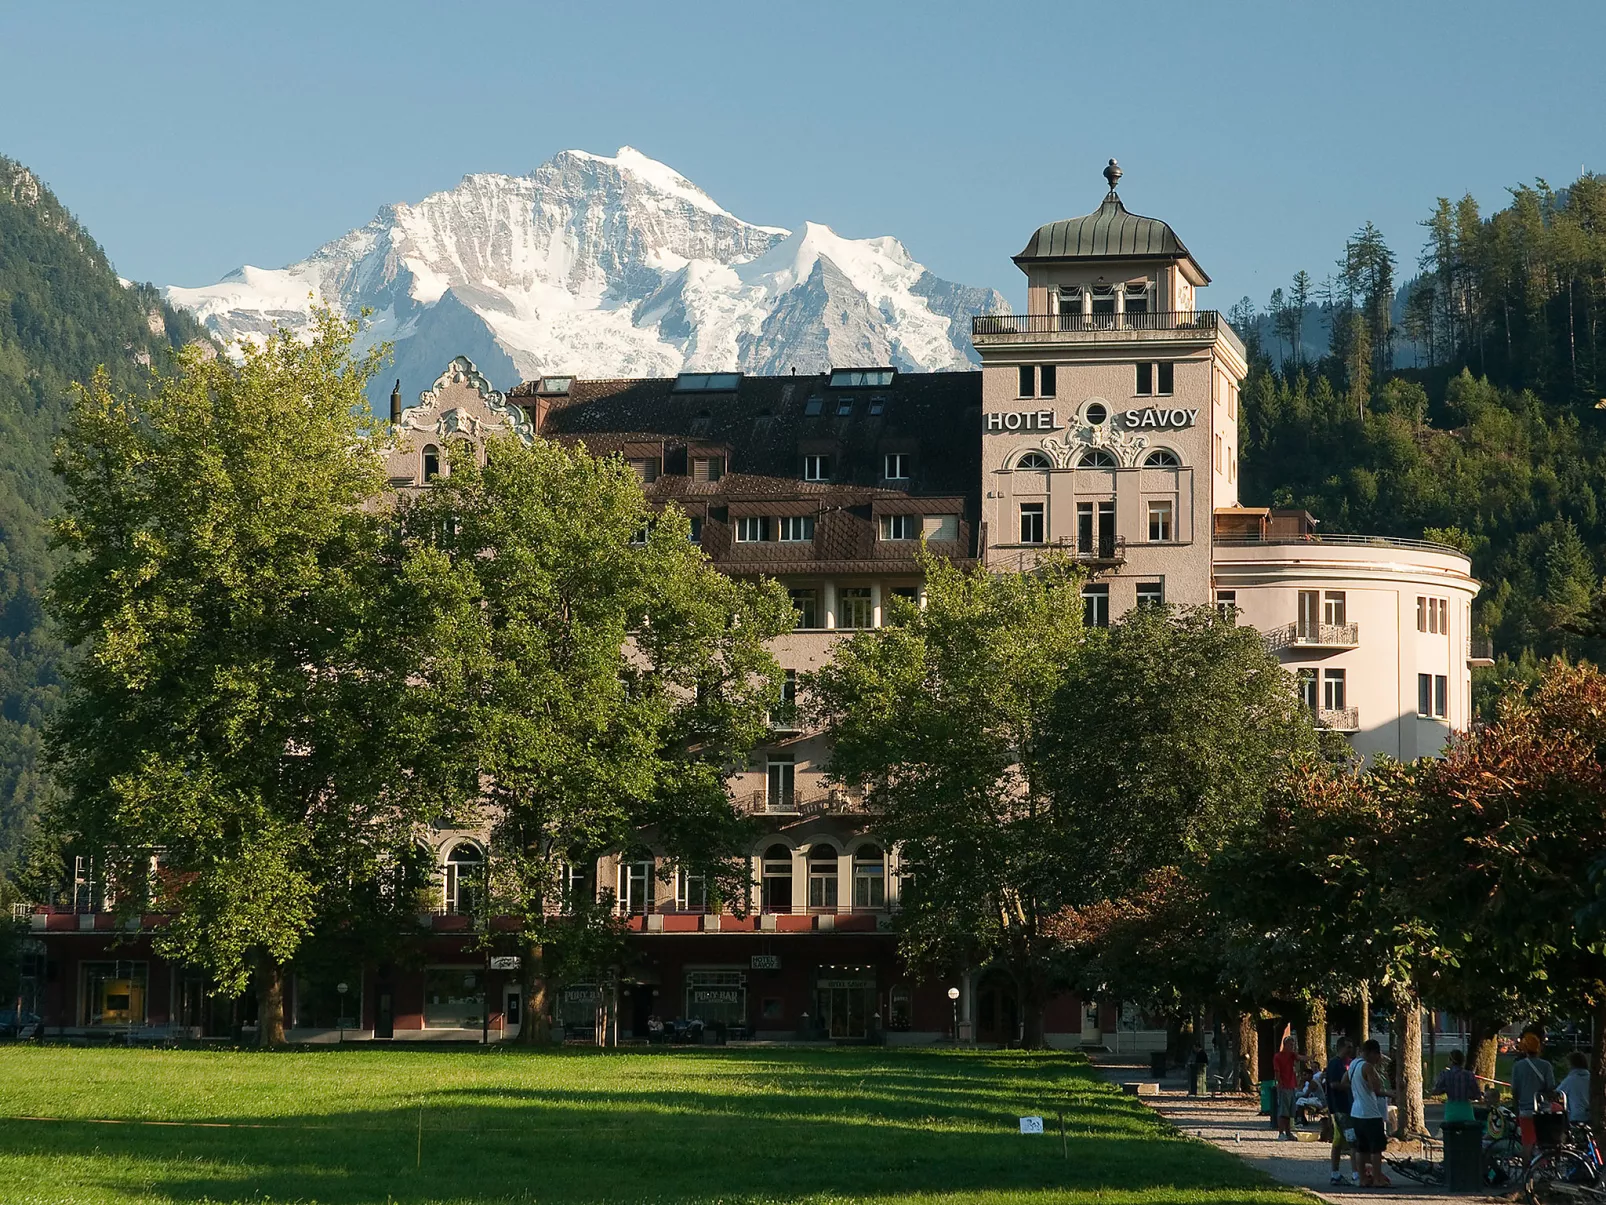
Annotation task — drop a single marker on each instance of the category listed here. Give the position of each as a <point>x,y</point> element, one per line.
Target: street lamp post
<point>341,989</point>
<point>953,998</point>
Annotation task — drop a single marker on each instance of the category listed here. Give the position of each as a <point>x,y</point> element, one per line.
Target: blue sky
<point>193,137</point>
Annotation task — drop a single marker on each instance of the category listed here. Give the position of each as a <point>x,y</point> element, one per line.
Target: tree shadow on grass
<point>483,1144</point>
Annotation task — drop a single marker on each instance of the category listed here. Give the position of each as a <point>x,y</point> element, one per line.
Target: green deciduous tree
<point>241,717</point>
<point>601,675</point>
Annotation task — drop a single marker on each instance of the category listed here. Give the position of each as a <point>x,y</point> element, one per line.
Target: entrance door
<point>385,1013</point>
<point>641,995</point>
<point>845,1007</point>
<point>512,1009</point>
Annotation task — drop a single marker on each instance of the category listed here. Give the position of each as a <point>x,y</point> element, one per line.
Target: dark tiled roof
<point>1109,232</point>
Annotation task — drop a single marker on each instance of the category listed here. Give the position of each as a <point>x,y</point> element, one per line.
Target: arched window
<point>637,883</point>
<point>1033,460</point>
<point>822,877</point>
<point>432,462</point>
<point>776,880</point>
<point>869,877</point>
<point>1096,458</point>
<point>465,879</point>
<point>1162,458</point>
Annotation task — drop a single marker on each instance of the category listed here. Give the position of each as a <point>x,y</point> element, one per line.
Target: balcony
<point>1176,326</point>
<point>1313,636</point>
<point>783,718</point>
<point>796,803</point>
<point>1480,652</point>
<point>1339,719</point>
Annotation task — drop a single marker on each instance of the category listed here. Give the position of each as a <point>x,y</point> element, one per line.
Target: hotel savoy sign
<point>1045,420</point>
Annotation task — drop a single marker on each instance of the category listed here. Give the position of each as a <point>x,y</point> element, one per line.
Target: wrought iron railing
<point>1314,635</point>
<point>1347,541</point>
<point>796,803</point>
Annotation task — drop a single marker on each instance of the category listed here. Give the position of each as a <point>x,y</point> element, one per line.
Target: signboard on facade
<point>1159,418</point>
<point>766,962</point>
<point>830,983</point>
<point>504,962</point>
<point>712,995</point>
<point>1022,420</point>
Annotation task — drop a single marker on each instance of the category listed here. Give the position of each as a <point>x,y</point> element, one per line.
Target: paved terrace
<point>1234,1124</point>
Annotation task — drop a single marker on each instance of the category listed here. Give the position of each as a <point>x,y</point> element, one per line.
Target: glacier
<point>604,266</point>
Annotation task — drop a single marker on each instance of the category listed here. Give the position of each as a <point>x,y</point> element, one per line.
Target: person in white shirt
<point>1368,1113</point>
<point>1575,1086</point>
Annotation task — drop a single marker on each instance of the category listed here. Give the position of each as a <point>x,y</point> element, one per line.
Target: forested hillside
<point>1496,444</point>
<point>63,312</point>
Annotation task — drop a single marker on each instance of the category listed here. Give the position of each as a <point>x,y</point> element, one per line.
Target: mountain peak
<point>601,265</point>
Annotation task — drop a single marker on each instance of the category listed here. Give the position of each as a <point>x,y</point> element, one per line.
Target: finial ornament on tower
<point>1112,173</point>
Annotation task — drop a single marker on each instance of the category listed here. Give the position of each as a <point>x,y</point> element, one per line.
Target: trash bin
<point>1463,1156</point>
<point>1268,1097</point>
<point>1196,1079</point>
<point>1157,1063</point>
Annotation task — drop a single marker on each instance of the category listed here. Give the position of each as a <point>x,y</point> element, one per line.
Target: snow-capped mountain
<point>606,267</point>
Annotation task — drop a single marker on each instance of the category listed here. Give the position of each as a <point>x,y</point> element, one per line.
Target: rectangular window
<point>940,527</point>
<point>637,886</point>
<point>1424,695</point>
<point>1151,594</point>
<point>1084,527</point>
<point>1333,608</point>
<point>816,468</point>
<point>453,997</point>
<point>1309,626</point>
<point>1218,452</point>
<point>1070,299</point>
<point>696,533</point>
<point>1137,299</point>
<point>1306,682</point>
<point>823,880</point>
<point>113,993</point>
<point>1165,376</point>
<point>1160,522</point>
<point>708,468</point>
<point>807,605</point>
<point>1333,690</point>
<point>796,528</point>
<point>319,1005</point>
<point>752,529</point>
<point>1106,533</point>
<point>691,891</point>
<point>853,607</point>
<point>1047,381</point>
<point>900,527</point>
<point>1104,299</point>
<point>1028,381</point>
<point>1096,606</point>
<point>1227,603</point>
<point>1145,384</point>
<point>780,778</point>
<point>1441,696</point>
<point>639,536</point>
<point>869,879</point>
<point>1421,613</point>
<point>1032,527</point>
<point>1444,616</point>
<point>897,466</point>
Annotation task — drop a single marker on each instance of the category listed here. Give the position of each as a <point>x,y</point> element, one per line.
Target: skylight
<point>707,382</point>
<point>813,406</point>
<point>555,384</point>
<point>861,378</point>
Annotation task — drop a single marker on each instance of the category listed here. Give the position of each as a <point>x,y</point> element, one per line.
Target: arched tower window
<point>465,879</point>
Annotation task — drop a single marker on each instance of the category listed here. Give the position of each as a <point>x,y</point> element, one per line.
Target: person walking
<point>1575,1086</point>
<point>1459,1087</point>
<point>1338,1108</point>
<point>1531,1075</point>
<point>1285,1070</point>
<point>1368,1113</point>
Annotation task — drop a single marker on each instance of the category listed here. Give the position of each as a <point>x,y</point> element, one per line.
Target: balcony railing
<point>1480,651</point>
<point>783,717</point>
<point>1197,324</point>
<point>1342,540</point>
<point>1339,719</point>
<point>796,803</point>
<point>1314,636</point>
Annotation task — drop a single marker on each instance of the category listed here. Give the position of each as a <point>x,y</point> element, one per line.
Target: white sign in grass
<point>1031,1125</point>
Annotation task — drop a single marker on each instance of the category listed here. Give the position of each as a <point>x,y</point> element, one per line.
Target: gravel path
<point>1233,1123</point>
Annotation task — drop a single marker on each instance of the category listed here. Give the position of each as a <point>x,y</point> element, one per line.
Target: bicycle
<point>1423,1170</point>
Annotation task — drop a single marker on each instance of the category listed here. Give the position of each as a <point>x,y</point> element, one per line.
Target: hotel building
<point>1102,423</point>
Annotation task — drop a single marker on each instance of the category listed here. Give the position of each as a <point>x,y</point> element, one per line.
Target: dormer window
<point>645,468</point>
<point>707,468</point>
<point>432,462</point>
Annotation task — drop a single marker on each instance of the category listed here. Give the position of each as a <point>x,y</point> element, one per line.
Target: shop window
<point>577,1007</point>
<point>716,997</point>
<point>853,607</point>
<point>823,877</point>
<point>319,1003</point>
<point>113,993</point>
<point>776,881</point>
<point>807,605</point>
<point>454,998</point>
<point>465,876</point>
<point>869,877</point>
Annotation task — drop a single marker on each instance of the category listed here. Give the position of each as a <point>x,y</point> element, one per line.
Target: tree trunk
<point>1483,1050</point>
<point>536,1027</point>
<point>270,1001</point>
<point>1316,1031</point>
<point>1408,1061</point>
<point>1364,1030</point>
<point>1033,1001</point>
<point>1249,1045</point>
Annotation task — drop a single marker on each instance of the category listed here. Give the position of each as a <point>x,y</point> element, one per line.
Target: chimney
<point>395,404</point>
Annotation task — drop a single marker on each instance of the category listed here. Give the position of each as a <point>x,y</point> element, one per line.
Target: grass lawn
<point>342,1126</point>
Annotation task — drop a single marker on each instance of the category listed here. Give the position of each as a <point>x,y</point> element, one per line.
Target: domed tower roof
<point>1109,232</point>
